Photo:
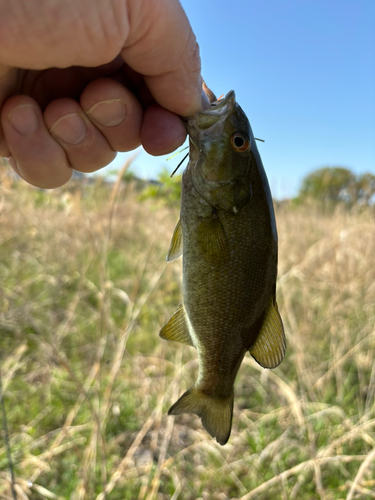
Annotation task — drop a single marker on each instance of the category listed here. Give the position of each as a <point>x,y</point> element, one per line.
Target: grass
<point>84,292</point>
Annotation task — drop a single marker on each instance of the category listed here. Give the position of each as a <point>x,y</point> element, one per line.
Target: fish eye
<point>240,142</point>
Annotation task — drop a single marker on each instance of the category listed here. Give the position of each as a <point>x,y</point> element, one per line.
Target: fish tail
<point>215,413</point>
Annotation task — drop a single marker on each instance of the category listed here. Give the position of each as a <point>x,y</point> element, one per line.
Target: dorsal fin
<point>269,348</point>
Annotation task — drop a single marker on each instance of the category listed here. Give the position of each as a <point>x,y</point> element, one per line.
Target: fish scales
<point>227,236</point>
<point>224,291</point>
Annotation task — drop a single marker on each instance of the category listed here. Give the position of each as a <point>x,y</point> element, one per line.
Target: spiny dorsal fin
<point>177,329</point>
<point>212,240</point>
<point>216,413</point>
<point>175,250</point>
<point>269,348</point>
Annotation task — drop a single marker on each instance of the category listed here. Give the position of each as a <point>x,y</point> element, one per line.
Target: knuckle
<point>192,61</point>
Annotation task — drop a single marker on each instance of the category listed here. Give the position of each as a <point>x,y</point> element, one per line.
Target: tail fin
<point>215,413</point>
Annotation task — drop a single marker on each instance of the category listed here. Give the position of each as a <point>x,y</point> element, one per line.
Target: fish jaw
<point>218,111</point>
<point>207,127</point>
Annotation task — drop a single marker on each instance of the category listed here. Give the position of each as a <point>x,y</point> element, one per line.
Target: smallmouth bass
<point>228,238</point>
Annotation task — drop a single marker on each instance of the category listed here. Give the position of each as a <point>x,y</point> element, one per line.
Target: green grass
<point>85,289</point>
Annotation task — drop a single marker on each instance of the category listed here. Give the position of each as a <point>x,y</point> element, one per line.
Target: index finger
<point>161,46</point>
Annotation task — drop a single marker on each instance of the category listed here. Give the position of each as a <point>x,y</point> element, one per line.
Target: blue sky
<point>304,73</point>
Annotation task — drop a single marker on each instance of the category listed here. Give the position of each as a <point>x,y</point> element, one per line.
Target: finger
<point>162,46</point>
<point>37,157</point>
<point>162,131</point>
<point>4,149</point>
<point>8,79</point>
<point>85,147</point>
<point>115,111</point>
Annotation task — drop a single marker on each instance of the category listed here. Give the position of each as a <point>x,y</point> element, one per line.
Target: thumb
<point>162,47</point>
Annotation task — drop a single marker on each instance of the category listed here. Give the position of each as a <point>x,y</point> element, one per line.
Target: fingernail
<point>24,119</point>
<point>108,113</point>
<point>205,102</point>
<point>70,129</point>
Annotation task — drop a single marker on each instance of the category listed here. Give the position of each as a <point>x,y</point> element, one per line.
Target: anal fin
<point>269,348</point>
<point>177,329</point>
<point>175,250</point>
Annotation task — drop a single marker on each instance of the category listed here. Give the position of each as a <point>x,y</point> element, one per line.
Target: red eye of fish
<point>240,142</point>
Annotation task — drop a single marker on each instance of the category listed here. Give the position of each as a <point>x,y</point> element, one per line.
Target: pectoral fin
<point>212,240</point>
<point>177,329</point>
<point>269,348</point>
<point>175,250</point>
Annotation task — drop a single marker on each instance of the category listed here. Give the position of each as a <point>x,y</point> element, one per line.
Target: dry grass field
<point>87,382</point>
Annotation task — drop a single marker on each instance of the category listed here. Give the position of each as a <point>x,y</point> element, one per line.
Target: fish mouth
<point>204,121</point>
<point>221,107</point>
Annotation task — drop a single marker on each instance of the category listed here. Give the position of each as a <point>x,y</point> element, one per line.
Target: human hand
<point>83,79</point>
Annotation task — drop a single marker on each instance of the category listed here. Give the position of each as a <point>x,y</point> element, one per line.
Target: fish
<point>227,237</point>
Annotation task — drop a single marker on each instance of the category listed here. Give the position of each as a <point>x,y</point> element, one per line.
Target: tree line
<point>333,185</point>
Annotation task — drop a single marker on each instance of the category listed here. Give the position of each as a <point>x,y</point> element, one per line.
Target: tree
<point>330,185</point>
<point>366,188</point>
